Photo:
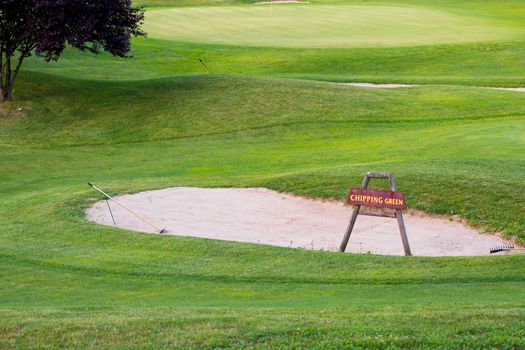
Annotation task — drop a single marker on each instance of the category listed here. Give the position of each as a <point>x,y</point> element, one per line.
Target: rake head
<point>501,248</point>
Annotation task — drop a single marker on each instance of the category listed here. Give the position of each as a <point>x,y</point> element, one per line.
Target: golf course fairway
<point>272,114</point>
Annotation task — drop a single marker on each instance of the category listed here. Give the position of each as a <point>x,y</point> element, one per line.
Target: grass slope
<point>71,283</point>
<point>151,121</point>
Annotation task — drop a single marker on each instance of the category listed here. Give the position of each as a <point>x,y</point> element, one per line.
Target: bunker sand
<point>379,86</point>
<point>258,215</point>
<point>281,2</point>
<point>395,86</point>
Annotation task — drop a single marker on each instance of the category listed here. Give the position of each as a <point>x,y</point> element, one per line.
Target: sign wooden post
<point>390,200</point>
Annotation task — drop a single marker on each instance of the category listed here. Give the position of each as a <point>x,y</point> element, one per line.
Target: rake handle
<point>125,207</point>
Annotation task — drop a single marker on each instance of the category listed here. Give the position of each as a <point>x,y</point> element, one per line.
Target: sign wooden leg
<point>403,232</point>
<point>344,243</point>
<point>348,232</point>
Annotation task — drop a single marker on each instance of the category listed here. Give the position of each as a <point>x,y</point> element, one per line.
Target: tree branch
<point>23,55</point>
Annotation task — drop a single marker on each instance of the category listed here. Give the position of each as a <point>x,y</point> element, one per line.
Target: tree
<point>46,27</point>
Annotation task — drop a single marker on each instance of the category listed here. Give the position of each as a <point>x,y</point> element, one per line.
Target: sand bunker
<point>281,2</point>
<point>393,86</point>
<point>259,215</point>
<point>379,86</point>
<point>519,89</point>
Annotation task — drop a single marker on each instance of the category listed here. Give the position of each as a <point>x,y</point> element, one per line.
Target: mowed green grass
<point>151,122</point>
<point>305,25</point>
<point>70,283</point>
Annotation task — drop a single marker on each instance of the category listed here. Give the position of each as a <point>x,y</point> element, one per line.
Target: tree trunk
<point>7,92</point>
<point>8,77</point>
<point>7,87</point>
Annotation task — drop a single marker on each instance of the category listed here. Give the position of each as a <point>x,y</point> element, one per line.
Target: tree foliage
<point>46,27</point>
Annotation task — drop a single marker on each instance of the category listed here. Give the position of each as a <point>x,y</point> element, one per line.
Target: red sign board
<point>377,198</point>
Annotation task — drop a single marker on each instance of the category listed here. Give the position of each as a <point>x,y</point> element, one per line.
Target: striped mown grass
<point>307,25</point>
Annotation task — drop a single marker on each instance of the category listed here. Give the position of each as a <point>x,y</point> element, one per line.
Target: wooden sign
<point>386,200</point>
<point>377,198</point>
